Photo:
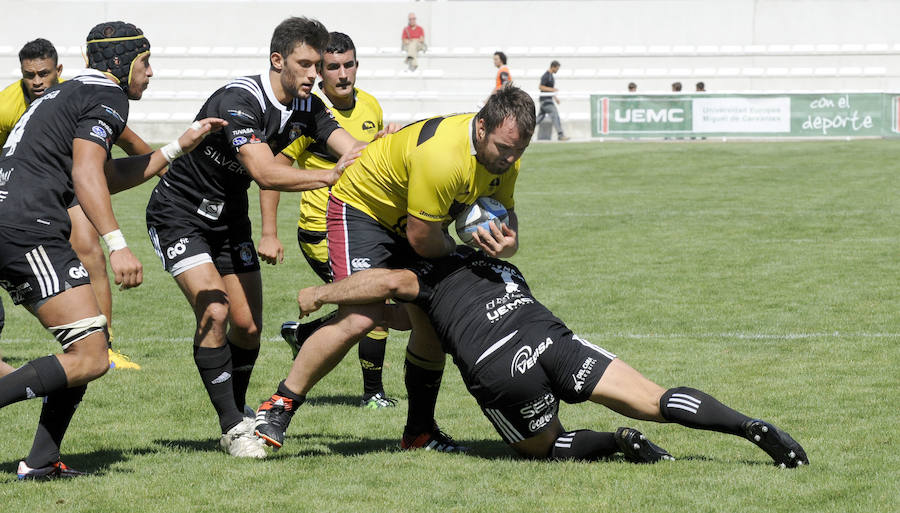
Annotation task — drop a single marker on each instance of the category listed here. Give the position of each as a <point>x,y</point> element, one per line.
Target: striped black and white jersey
<point>36,160</point>
<point>210,181</point>
<point>473,301</point>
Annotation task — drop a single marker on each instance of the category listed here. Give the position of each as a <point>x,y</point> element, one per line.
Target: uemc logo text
<point>674,115</point>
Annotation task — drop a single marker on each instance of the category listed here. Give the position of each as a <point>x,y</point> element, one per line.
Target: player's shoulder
<point>247,88</point>
<point>363,96</point>
<point>12,90</point>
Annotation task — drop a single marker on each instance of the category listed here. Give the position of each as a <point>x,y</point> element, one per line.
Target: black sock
<point>423,381</point>
<point>692,408</point>
<point>36,378</point>
<point>284,391</point>
<point>242,362</point>
<point>585,445</point>
<point>58,409</point>
<point>214,364</point>
<point>371,360</point>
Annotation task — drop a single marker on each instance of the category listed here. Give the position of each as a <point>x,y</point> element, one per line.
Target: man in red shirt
<point>413,42</point>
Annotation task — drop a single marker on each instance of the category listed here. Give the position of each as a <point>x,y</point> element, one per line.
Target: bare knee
<point>211,320</point>
<point>86,360</point>
<point>244,330</point>
<point>540,445</point>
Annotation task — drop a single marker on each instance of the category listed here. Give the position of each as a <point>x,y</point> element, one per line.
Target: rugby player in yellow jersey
<point>388,210</point>
<point>359,113</point>
<point>40,71</point>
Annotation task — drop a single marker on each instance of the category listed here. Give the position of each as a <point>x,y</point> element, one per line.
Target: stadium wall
<point>738,45</point>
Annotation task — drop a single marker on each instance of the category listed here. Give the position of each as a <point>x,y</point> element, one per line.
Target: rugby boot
<point>273,418</point>
<point>240,441</point>
<point>295,332</point>
<point>377,402</point>
<point>637,448</point>
<point>118,360</point>
<point>53,471</point>
<point>434,440</point>
<point>786,452</point>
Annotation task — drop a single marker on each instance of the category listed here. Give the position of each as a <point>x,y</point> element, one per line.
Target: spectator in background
<point>413,42</point>
<point>632,87</point>
<point>549,101</point>
<point>676,87</point>
<point>503,76</point>
<point>701,87</point>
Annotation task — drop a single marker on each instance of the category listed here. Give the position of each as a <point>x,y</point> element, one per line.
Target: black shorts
<point>34,267</point>
<point>519,384</point>
<point>357,242</point>
<point>183,241</point>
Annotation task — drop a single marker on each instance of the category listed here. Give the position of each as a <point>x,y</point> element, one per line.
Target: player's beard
<point>291,84</point>
<point>493,167</point>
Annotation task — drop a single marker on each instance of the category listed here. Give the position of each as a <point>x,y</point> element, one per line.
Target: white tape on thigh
<point>68,334</point>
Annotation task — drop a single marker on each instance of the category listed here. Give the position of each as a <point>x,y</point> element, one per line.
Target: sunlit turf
<point>763,273</point>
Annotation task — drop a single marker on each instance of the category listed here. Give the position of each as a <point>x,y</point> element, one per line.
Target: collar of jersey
<point>327,101</point>
<point>266,80</point>
<point>92,72</point>
<point>472,135</point>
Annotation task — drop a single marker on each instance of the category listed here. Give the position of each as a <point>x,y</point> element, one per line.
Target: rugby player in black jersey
<point>198,213</point>
<point>519,360</point>
<point>41,71</point>
<point>58,149</point>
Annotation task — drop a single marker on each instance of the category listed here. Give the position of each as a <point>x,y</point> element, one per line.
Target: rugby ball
<point>481,213</point>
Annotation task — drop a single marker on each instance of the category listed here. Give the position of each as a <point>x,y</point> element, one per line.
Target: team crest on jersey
<point>368,125</point>
<point>296,130</point>
<point>254,139</point>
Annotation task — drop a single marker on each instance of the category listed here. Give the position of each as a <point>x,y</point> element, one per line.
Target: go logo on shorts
<point>176,249</point>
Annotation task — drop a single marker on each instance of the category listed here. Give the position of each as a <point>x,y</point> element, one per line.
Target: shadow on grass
<point>206,445</point>
<point>333,400</point>
<point>96,463</point>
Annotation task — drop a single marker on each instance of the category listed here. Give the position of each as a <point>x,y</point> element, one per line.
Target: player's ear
<point>479,124</point>
<point>277,61</point>
<point>59,69</point>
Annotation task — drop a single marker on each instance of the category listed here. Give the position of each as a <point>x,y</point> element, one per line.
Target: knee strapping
<point>68,334</point>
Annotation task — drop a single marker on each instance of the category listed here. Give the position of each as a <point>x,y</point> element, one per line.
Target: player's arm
<point>125,173</point>
<point>501,242</point>
<point>88,159</point>
<point>271,173</point>
<point>361,288</point>
<point>428,238</point>
<point>132,144</point>
<point>270,249</point>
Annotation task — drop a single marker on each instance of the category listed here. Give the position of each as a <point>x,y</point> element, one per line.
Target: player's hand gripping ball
<point>481,213</point>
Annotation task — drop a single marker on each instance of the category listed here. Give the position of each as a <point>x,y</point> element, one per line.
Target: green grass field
<point>763,273</point>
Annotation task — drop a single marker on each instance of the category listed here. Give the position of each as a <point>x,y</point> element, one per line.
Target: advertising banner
<point>751,115</point>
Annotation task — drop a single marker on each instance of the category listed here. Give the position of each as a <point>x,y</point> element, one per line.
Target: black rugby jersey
<point>210,181</point>
<point>476,303</point>
<point>36,160</point>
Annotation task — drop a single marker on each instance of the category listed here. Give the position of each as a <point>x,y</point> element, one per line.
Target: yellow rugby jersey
<point>427,170</point>
<point>364,120</point>
<point>13,103</point>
